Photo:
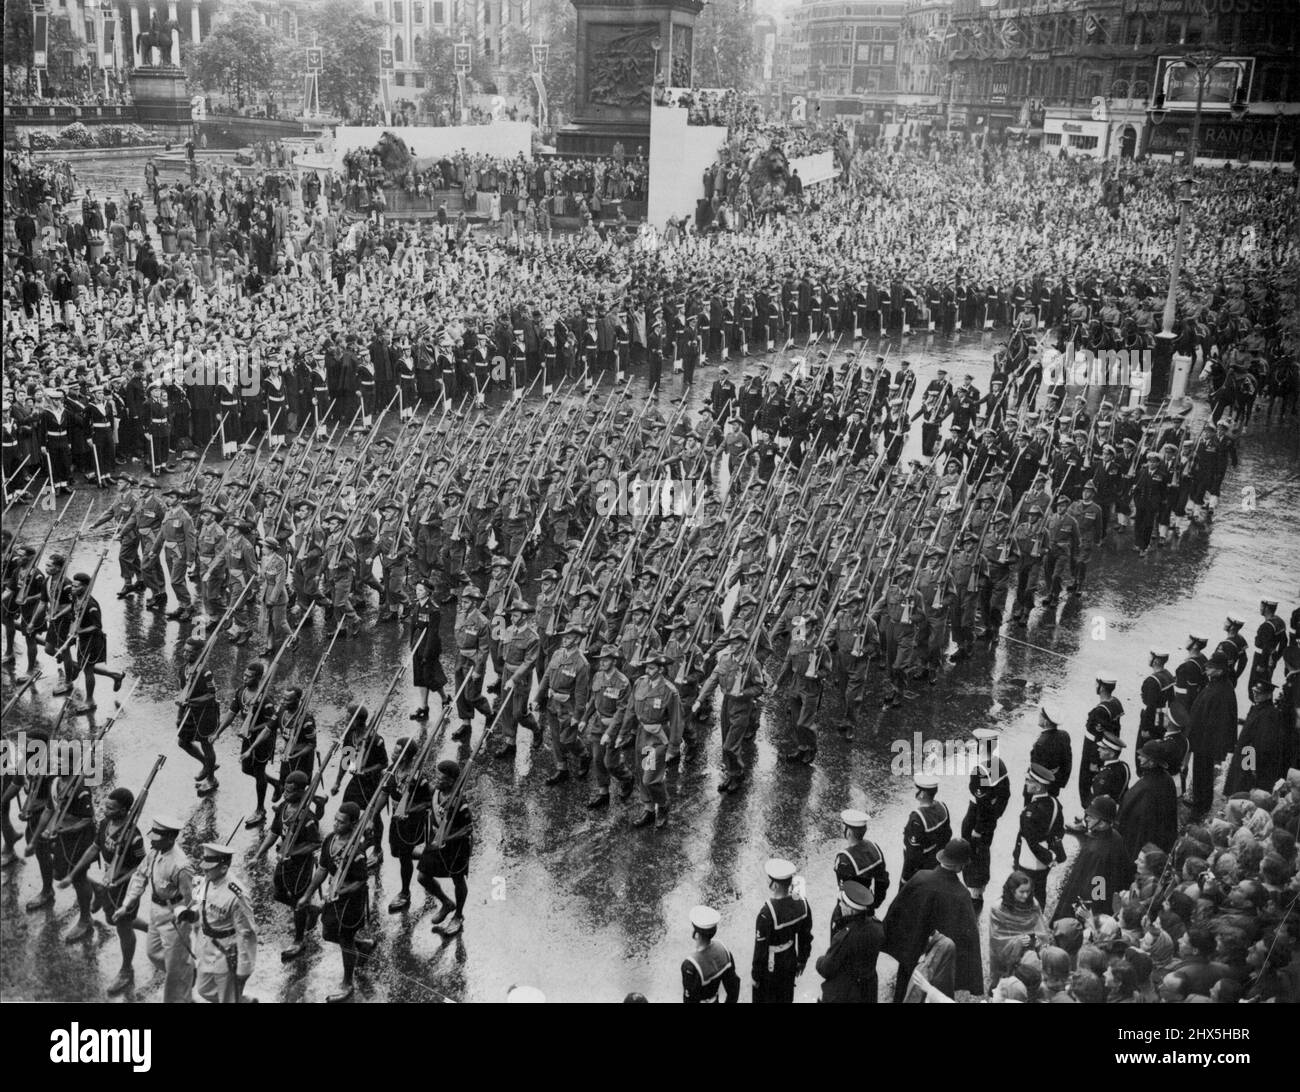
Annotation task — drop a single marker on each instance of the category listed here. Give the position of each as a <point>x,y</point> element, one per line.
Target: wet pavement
<point>580,904</point>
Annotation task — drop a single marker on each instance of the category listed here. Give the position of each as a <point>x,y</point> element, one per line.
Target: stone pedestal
<point>162,101</point>
<point>616,69</point>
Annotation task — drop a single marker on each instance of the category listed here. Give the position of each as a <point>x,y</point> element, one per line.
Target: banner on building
<point>40,39</point>
<point>107,46</point>
<point>1220,86</point>
<point>543,107</point>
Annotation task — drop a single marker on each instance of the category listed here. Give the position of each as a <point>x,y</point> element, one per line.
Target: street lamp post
<point>541,54</point>
<point>1280,109</point>
<point>1202,62</point>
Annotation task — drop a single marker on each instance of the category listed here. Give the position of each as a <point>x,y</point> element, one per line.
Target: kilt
<point>405,834</point>
<point>92,649</point>
<point>440,862</point>
<point>345,913</point>
<point>68,849</point>
<point>200,723</point>
<point>291,877</point>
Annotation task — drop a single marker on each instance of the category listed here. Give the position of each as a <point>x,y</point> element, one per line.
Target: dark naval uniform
<point>782,944</point>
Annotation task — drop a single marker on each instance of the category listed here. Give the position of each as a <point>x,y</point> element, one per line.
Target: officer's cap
<point>856,896</point>
<point>217,851</point>
<point>1110,741</point>
<point>166,824</point>
<point>1041,773</point>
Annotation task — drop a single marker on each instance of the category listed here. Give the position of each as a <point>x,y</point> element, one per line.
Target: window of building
<point>487,14</point>
<point>419,79</point>
<point>398,13</point>
<point>417,12</point>
<point>439,12</point>
<point>379,8</point>
<point>1052,140</point>
<point>1083,143</point>
<point>889,54</point>
<point>417,48</point>
<point>400,79</point>
<point>399,50</point>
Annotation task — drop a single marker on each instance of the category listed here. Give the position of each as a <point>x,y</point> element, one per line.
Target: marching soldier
<point>654,714</point>
<point>241,568</point>
<point>782,938</point>
<point>472,631</point>
<point>602,722</point>
<point>520,645</point>
<point>563,695</point>
<point>344,916</point>
<point>449,847</point>
<point>928,828</point>
<point>168,874</point>
<point>741,681</point>
<point>228,945</point>
<point>410,799</point>
<point>709,973</point>
<point>296,828</point>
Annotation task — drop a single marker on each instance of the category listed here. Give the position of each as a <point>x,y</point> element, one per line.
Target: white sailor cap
<point>1107,680</point>
<point>525,995</point>
<point>1159,653</point>
<point>705,917</point>
<point>780,869</point>
<point>1049,714</point>
<point>925,781</point>
<point>984,734</point>
<point>854,817</point>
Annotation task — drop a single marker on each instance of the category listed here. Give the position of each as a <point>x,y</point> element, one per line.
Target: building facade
<point>852,57</point>
<point>1080,75</point>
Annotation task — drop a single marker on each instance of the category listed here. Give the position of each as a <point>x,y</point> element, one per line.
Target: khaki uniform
<point>228,942</point>
<point>170,878</point>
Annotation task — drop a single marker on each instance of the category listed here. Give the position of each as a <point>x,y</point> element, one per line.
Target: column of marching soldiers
<point>814,566</point>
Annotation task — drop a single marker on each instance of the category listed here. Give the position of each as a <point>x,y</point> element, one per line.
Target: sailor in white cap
<point>1113,775</point>
<point>1052,749</point>
<point>227,949</point>
<point>928,828</point>
<point>1190,677</point>
<point>1103,717</point>
<point>990,792</point>
<point>709,972</point>
<point>1270,641</point>
<point>861,860</point>
<point>782,937</point>
<point>170,877</point>
<point>1233,647</point>
<point>1042,824</point>
<point>1157,690</point>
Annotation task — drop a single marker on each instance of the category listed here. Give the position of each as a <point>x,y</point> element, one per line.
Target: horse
<point>159,37</point>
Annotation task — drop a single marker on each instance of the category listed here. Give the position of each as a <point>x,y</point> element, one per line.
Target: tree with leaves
<point>18,37</point>
<point>437,58</point>
<point>350,38</point>
<point>238,56</point>
<point>725,51</point>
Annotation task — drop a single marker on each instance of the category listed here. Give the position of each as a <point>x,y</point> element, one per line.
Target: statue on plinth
<point>159,37</point>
